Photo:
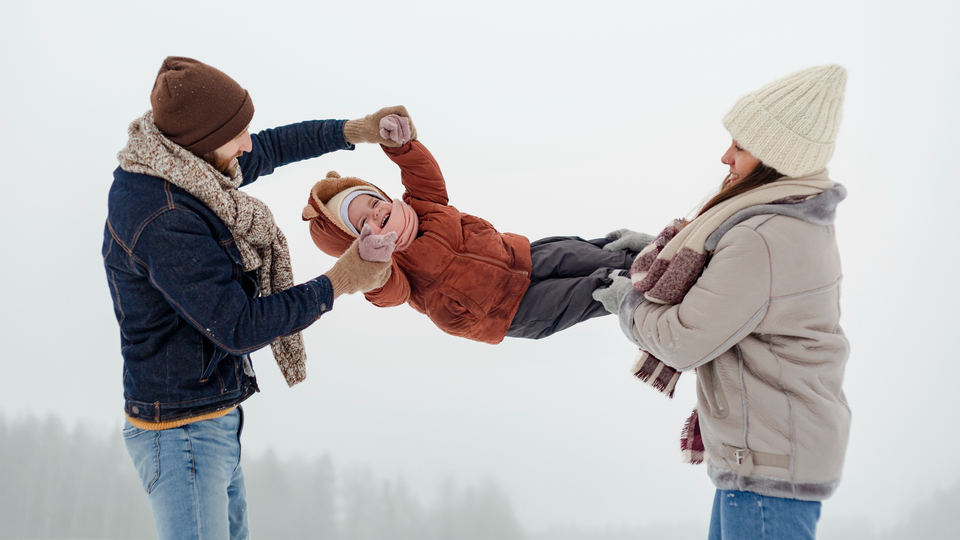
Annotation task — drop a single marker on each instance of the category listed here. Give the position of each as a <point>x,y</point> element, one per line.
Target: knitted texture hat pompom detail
<point>791,124</point>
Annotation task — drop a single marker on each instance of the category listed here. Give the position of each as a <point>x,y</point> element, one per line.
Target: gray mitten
<point>625,239</point>
<point>611,296</point>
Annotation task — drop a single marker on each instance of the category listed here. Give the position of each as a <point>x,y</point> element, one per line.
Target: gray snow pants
<point>566,271</point>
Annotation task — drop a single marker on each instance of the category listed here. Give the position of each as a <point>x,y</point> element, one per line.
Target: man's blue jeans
<point>742,515</point>
<point>193,478</point>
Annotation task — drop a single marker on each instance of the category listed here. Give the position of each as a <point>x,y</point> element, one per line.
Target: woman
<point>748,294</point>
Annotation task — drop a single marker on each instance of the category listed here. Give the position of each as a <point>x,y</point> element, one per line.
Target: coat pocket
<point>453,311</point>
<point>711,391</point>
<point>211,355</point>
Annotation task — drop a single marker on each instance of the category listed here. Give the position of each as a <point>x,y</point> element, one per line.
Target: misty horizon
<point>62,483</point>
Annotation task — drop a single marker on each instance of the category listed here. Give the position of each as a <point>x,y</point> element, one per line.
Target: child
<point>471,280</point>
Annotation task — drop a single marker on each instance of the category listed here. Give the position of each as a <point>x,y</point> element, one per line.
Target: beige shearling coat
<point>761,326</point>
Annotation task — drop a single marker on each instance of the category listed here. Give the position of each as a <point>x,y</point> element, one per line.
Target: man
<point>200,277</point>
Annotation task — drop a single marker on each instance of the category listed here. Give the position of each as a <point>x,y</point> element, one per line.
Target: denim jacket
<point>189,315</point>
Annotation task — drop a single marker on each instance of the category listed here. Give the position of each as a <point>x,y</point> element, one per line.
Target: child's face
<point>369,210</point>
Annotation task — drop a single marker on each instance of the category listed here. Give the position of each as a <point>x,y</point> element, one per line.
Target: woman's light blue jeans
<point>193,478</point>
<point>742,515</point>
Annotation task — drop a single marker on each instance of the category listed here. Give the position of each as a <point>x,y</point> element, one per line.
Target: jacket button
<point>135,410</point>
<point>323,307</point>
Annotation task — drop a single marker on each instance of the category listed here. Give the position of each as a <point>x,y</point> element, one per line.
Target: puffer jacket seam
<point>726,345</point>
<point>482,258</point>
<point>764,222</point>
<point>839,312</point>
<point>791,411</point>
<point>826,288</point>
<point>743,397</point>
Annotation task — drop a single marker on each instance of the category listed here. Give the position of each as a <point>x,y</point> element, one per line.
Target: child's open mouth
<point>383,224</point>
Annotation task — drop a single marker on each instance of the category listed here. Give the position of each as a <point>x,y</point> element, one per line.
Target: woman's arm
<point>726,303</point>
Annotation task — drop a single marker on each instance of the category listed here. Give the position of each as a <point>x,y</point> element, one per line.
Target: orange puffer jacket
<point>460,271</point>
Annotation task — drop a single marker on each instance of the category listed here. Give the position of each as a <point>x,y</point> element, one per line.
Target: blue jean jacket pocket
<point>212,356</point>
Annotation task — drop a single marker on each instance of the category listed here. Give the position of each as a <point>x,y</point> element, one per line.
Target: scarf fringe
<point>652,371</point>
<point>692,450</point>
<point>291,358</point>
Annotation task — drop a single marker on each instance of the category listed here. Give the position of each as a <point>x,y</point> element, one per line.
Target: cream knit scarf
<point>262,245</point>
<point>670,265</point>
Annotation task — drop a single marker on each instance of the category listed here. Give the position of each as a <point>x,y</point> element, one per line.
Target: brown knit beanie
<point>198,106</point>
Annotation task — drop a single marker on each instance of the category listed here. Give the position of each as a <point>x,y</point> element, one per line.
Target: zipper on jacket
<point>715,388</point>
<point>716,396</point>
<point>494,262</point>
<point>712,391</point>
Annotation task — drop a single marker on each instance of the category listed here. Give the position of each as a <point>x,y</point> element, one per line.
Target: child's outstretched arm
<point>419,172</point>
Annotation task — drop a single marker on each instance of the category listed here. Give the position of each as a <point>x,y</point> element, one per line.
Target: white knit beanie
<point>791,124</point>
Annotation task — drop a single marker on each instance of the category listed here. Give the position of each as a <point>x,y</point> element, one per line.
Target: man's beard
<point>222,164</point>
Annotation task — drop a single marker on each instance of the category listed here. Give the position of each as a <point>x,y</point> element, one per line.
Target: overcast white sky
<point>547,118</point>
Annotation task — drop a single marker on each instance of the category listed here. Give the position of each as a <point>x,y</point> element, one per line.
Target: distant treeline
<point>60,483</point>
<point>64,483</point>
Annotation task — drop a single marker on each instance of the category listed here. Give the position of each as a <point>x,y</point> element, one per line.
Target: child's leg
<point>572,256</point>
<point>553,305</point>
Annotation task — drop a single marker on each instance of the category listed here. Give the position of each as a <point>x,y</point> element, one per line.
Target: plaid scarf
<point>670,265</point>
<point>262,245</point>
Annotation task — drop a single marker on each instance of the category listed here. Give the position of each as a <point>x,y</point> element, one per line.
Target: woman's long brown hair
<point>762,174</point>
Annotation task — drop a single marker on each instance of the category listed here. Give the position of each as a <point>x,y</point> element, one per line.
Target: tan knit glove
<point>353,274</point>
<point>367,129</point>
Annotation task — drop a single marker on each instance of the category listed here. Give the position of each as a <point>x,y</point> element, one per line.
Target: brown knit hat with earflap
<point>327,229</point>
<point>198,106</point>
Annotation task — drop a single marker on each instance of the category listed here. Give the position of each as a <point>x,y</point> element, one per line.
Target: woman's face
<point>740,161</point>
